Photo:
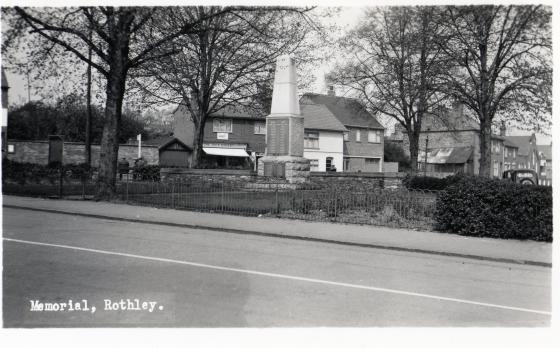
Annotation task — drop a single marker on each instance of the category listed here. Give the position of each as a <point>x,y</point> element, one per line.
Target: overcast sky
<point>347,18</point>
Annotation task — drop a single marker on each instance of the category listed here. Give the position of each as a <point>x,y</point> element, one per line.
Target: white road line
<point>283,276</point>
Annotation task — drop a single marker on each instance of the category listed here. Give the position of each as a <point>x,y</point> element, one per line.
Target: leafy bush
<point>146,172</point>
<point>483,207</point>
<point>420,182</point>
<point>23,172</point>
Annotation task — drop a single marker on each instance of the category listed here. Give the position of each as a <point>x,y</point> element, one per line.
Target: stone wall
<point>357,181</point>
<point>340,181</point>
<point>74,153</point>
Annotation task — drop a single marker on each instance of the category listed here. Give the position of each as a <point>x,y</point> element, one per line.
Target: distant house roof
<point>509,143</point>
<point>165,141</point>
<point>448,155</point>
<point>319,117</point>
<point>522,142</point>
<point>348,111</point>
<point>546,150</point>
<point>239,112</point>
<point>230,112</point>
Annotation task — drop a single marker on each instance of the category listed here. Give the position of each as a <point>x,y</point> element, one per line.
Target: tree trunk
<point>108,155</point>
<point>413,138</point>
<point>485,149</point>
<point>198,142</point>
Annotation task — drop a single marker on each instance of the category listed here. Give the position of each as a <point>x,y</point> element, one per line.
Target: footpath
<point>489,249</point>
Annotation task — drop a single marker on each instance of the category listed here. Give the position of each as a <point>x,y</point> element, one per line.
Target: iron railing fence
<point>52,182</point>
<point>359,205</point>
<point>388,207</point>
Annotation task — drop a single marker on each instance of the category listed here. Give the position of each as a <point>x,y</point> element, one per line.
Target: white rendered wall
<point>330,145</point>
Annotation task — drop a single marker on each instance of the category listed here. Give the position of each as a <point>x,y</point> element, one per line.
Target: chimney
<point>503,129</point>
<point>330,90</point>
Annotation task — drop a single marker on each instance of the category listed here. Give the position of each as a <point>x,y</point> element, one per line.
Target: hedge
<point>482,207</point>
<point>23,172</point>
<point>421,182</point>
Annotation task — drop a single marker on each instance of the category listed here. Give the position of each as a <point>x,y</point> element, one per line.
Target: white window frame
<point>260,127</point>
<point>314,165</point>
<point>311,137</point>
<point>222,125</point>
<point>358,135</point>
<point>376,137</point>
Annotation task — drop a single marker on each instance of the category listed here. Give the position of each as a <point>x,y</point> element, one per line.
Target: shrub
<point>483,207</point>
<point>146,172</point>
<point>420,182</point>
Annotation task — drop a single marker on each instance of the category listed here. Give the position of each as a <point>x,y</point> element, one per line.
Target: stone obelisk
<point>284,128</point>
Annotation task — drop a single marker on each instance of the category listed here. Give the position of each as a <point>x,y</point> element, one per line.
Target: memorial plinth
<point>284,128</point>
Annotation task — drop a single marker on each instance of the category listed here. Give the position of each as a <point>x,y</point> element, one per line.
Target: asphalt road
<point>201,278</point>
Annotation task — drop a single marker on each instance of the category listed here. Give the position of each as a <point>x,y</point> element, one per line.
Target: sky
<point>347,18</point>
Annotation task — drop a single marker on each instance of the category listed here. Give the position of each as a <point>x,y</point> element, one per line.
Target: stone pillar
<point>284,128</point>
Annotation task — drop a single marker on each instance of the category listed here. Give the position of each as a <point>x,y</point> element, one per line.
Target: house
<point>323,142</point>
<point>451,140</point>
<point>338,132</point>
<point>545,155</point>
<point>528,153</point>
<point>234,137</point>
<point>363,139</point>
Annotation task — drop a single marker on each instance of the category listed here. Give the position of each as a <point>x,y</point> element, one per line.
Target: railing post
<point>126,190</point>
<point>61,169</point>
<point>335,203</point>
<point>173,194</point>
<point>277,204</point>
<point>222,197</point>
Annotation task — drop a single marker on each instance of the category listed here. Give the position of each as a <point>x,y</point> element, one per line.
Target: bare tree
<point>394,66</point>
<point>502,58</point>
<point>123,39</point>
<point>225,62</point>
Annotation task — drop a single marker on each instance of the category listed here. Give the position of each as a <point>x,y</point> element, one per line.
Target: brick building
<point>527,156</point>
<point>363,141</point>
<point>233,137</point>
<point>452,144</point>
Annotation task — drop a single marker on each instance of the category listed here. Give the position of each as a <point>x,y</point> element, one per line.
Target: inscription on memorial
<point>277,137</point>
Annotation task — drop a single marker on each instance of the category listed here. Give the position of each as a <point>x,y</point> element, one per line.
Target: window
<point>222,125</point>
<point>345,136</point>
<point>329,164</point>
<point>374,136</point>
<point>311,140</point>
<point>372,165</point>
<point>260,127</point>
<point>314,163</point>
<point>358,135</point>
<point>496,168</point>
<point>11,148</point>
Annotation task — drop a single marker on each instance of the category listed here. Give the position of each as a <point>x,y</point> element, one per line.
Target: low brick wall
<point>353,181</point>
<point>167,174</point>
<point>341,181</point>
<point>74,153</point>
